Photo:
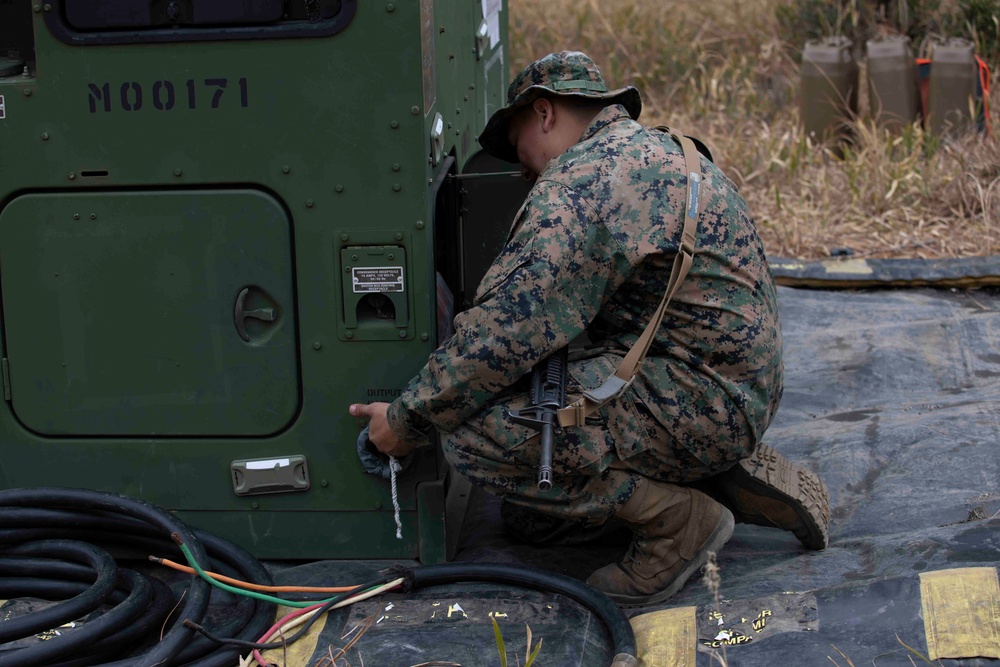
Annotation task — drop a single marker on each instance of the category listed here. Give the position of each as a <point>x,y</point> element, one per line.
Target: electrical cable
<point>131,521</point>
<point>123,520</point>
<point>300,616</point>
<point>45,653</point>
<point>196,602</point>
<point>250,586</point>
<point>100,562</point>
<point>232,589</point>
<point>328,605</point>
<point>600,604</point>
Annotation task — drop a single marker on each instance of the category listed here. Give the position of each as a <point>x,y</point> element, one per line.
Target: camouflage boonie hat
<point>569,73</point>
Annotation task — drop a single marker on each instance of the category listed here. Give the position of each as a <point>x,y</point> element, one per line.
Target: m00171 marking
<point>165,95</point>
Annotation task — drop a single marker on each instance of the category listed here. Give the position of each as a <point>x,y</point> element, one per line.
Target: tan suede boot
<point>767,489</point>
<point>674,529</point>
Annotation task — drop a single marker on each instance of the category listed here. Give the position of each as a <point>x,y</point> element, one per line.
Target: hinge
<point>6,378</point>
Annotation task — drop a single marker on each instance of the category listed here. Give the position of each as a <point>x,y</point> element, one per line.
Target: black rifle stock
<point>548,396</point>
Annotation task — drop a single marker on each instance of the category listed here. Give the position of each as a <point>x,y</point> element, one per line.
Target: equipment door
<point>149,313</point>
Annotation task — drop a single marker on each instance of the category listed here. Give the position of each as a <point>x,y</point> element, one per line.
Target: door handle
<point>240,315</point>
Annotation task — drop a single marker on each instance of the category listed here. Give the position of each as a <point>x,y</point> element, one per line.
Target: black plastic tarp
<point>891,395</point>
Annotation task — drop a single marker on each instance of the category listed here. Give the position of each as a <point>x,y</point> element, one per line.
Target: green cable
<point>239,591</point>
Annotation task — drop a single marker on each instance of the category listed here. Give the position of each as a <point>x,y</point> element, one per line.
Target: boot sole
<point>723,531</point>
<point>769,490</point>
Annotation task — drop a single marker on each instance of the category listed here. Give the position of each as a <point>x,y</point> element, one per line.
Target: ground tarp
<point>892,396</point>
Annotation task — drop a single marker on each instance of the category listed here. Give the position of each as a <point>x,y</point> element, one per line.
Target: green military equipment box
<point>222,222</point>
<point>892,81</point>
<point>952,96</point>
<point>828,81</point>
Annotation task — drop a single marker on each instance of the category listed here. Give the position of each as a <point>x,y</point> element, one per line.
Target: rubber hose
<point>598,603</point>
<point>198,592</point>
<point>45,653</point>
<point>100,561</point>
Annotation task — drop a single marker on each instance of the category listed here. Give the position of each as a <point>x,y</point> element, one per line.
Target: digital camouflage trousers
<point>596,467</point>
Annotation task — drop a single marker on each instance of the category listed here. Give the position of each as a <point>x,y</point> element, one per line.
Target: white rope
<point>394,467</point>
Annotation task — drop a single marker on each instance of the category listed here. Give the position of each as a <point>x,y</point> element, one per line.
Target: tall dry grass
<point>725,72</point>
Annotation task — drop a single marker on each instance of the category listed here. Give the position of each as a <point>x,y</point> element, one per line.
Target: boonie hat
<point>568,73</point>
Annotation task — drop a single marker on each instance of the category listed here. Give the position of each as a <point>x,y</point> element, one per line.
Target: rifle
<point>548,396</point>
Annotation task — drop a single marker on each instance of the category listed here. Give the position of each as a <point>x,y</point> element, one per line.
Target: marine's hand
<point>379,432</point>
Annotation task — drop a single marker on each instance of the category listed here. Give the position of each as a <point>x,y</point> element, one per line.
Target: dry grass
<point>721,71</point>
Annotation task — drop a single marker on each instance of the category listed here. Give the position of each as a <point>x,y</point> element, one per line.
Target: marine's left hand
<point>379,432</point>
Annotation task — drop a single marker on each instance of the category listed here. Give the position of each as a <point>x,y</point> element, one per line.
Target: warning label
<point>377,279</point>
<point>3,109</point>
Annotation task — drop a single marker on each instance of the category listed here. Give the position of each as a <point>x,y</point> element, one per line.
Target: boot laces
<point>636,550</point>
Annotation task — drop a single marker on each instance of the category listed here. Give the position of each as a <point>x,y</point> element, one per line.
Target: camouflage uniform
<point>591,249</point>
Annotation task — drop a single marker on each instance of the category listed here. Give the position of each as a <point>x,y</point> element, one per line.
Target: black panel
<point>86,23</point>
<point>17,42</point>
<point>88,15</point>
<point>491,192</point>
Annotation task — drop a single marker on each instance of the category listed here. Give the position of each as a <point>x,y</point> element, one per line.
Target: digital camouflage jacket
<point>591,249</point>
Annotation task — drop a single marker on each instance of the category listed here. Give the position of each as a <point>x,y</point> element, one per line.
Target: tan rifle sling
<point>577,412</point>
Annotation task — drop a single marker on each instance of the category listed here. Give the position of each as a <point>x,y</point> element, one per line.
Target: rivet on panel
<point>394,124</point>
<point>402,334</point>
<point>390,8</point>
<point>310,203</point>
<point>420,224</point>
<point>255,506</point>
<point>399,236</point>
<point>324,483</point>
<point>286,169</point>
<point>76,216</point>
<point>317,345</point>
<point>47,7</point>
<point>178,172</point>
<point>339,188</point>
<point>45,136</point>
<point>396,187</point>
<point>71,176</point>
<point>349,334</point>
<point>414,110</point>
<point>344,237</point>
<point>93,216</point>
<point>396,167</point>
<point>27,92</point>
<point>424,336</point>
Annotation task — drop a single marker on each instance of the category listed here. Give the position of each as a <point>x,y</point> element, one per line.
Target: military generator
<point>222,222</point>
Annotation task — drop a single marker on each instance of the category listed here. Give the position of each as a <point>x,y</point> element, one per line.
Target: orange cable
<point>254,587</point>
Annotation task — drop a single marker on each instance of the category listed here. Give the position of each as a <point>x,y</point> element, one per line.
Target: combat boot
<point>674,528</point>
<point>767,489</point>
